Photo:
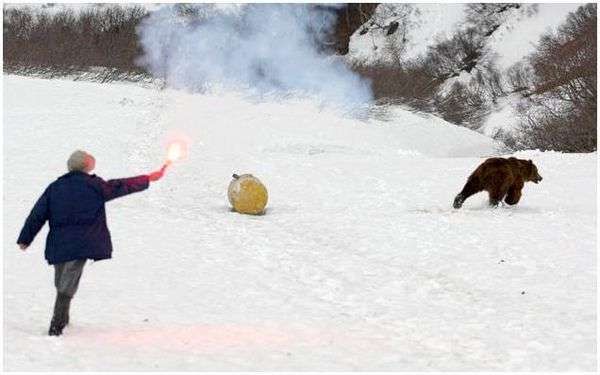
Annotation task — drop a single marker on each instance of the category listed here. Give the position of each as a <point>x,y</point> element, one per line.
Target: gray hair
<point>79,161</point>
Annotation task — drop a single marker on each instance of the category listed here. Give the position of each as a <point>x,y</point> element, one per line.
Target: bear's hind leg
<point>470,188</point>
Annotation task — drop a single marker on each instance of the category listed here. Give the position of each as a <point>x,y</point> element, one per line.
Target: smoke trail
<point>264,48</point>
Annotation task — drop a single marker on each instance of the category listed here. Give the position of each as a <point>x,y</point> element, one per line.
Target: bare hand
<point>22,246</point>
<point>155,176</point>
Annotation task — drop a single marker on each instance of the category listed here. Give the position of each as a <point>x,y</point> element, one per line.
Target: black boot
<point>55,328</point>
<point>61,315</point>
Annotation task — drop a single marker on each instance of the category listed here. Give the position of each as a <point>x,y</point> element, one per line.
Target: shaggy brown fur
<point>501,178</point>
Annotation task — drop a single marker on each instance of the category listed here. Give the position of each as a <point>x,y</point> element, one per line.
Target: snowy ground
<point>359,264</point>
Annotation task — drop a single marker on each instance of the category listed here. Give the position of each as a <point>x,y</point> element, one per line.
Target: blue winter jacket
<point>74,208</point>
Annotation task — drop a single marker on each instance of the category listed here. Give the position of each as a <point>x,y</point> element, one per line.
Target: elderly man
<point>73,205</point>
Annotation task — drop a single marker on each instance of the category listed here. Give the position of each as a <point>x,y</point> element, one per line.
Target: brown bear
<point>501,178</point>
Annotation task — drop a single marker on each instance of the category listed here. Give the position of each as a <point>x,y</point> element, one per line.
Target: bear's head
<point>530,172</point>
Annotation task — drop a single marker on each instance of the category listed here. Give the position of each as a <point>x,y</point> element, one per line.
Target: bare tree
<point>563,114</point>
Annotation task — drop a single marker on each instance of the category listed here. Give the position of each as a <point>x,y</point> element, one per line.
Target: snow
<point>516,39</point>
<point>359,263</point>
<point>517,36</point>
<point>428,23</point>
<point>504,117</point>
<point>463,78</point>
<point>513,42</point>
<point>436,22</point>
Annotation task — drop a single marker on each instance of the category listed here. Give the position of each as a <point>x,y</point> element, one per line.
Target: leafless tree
<point>564,101</point>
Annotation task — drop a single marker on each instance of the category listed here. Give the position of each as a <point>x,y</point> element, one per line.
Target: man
<point>73,205</point>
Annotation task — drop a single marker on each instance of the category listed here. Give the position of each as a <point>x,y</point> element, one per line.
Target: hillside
<point>523,74</point>
<point>518,30</point>
<point>470,53</point>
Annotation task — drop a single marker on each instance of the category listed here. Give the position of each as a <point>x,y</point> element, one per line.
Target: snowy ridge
<point>359,263</point>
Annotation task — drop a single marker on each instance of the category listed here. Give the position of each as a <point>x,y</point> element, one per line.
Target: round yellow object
<point>247,194</point>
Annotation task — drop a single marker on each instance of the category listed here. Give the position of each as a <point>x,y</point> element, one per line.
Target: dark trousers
<point>67,275</point>
<point>66,280</point>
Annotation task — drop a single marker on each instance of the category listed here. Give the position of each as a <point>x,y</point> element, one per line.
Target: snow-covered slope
<point>519,30</point>
<point>518,36</point>
<point>510,44</point>
<point>426,24</point>
<point>514,33</point>
<point>359,264</point>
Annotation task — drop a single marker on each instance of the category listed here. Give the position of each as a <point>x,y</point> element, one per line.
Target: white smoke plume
<point>263,48</point>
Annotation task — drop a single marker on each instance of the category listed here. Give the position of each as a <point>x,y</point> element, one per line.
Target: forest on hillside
<point>553,90</point>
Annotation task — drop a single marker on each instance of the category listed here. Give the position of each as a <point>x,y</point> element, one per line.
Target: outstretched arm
<point>116,188</point>
<point>34,222</point>
<point>119,187</point>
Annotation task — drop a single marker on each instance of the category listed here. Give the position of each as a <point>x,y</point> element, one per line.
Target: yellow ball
<point>247,194</point>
